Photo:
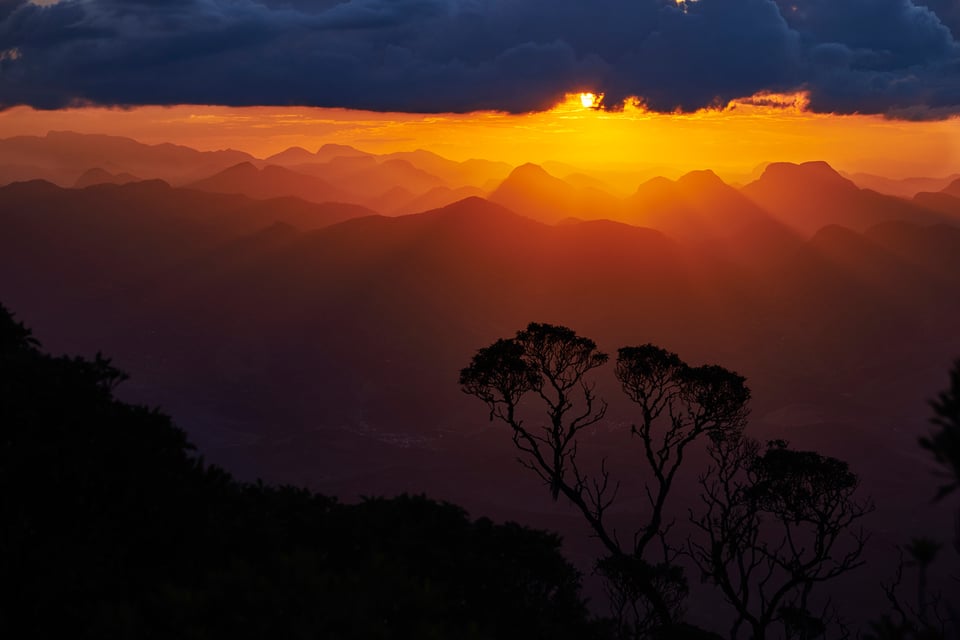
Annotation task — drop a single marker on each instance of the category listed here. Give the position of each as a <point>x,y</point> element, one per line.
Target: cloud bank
<point>895,57</point>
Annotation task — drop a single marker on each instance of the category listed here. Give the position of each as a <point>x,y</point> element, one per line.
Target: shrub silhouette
<point>111,526</point>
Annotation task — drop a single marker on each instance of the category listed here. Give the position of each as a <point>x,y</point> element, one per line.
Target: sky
<point>733,141</point>
<point>873,85</point>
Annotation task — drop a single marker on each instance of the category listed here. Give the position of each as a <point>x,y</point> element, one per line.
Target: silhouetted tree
<point>551,362</point>
<point>678,404</point>
<point>923,620</point>
<point>944,444</point>
<point>775,524</point>
<point>926,616</point>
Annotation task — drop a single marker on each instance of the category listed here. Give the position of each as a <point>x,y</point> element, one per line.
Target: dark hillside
<point>114,527</point>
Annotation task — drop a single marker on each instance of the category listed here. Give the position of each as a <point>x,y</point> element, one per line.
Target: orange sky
<point>732,141</point>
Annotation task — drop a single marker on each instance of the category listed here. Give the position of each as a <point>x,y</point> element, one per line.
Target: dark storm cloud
<point>878,56</point>
<point>947,10</point>
<point>888,56</point>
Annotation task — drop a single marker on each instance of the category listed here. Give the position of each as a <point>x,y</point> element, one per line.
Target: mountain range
<point>301,334</point>
<point>801,198</point>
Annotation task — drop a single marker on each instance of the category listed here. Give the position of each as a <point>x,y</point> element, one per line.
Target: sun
<point>588,100</point>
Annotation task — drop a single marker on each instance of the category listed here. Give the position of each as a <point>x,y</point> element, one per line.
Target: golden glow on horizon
<point>633,142</point>
<point>588,100</point>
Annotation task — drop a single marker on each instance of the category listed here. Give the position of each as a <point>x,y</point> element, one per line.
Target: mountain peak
<point>531,179</point>
<point>655,187</point>
<point>97,175</point>
<point>953,189</point>
<point>659,182</point>
<point>817,170</point>
<point>812,195</point>
<point>529,170</point>
<point>332,146</point>
<point>474,209</point>
<point>332,150</point>
<point>93,176</point>
<point>532,175</point>
<point>704,178</point>
<point>242,168</point>
<point>292,154</point>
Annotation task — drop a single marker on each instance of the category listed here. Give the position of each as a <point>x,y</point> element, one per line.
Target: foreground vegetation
<point>772,525</point>
<point>113,527</point>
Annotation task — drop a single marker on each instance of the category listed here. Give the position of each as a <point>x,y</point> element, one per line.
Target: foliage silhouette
<point>551,362</point>
<point>111,526</point>
<point>923,620</point>
<point>945,443</point>
<point>776,523</point>
<point>927,615</point>
<point>678,405</point>
<point>773,525</point>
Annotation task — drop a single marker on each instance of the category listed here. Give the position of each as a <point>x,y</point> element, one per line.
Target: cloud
<point>948,11</point>
<point>873,56</point>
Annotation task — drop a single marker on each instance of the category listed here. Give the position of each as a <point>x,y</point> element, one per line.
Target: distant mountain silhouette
<point>384,186</point>
<point>352,175</point>
<point>930,248</point>
<point>298,155</point>
<point>953,189</point>
<point>339,162</point>
<point>817,171</point>
<point>293,155</point>
<point>399,201</point>
<point>701,209</point>
<point>857,255</point>
<point>156,202</point>
<point>882,287</point>
<point>387,202</point>
<point>699,204</point>
<point>533,192</point>
<point>698,209</point>
<point>584,181</point>
<point>475,173</point>
<point>338,168</point>
<point>436,198</point>
<point>904,187</point>
<point>109,232</point>
<point>65,151</point>
<point>16,172</point>
<point>941,202</point>
<point>812,195</point>
<point>330,151</point>
<point>393,173</point>
<point>271,182</point>
<point>473,258</point>
<point>487,223</point>
<point>99,176</point>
